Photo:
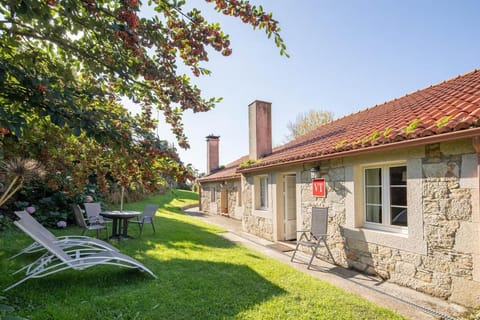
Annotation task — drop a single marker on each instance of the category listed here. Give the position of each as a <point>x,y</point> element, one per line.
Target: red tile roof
<point>227,173</point>
<point>437,113</point>
<point>450,106</point>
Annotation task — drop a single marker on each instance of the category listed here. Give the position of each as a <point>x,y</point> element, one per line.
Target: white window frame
<point>385,225</point>
<point>261,191</point>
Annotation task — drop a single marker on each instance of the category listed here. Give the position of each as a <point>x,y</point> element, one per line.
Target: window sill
<point>388,239</point>
<point>264,213</point>
<point>395,230</point>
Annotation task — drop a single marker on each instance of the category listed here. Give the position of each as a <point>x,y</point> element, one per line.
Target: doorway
<point>289,207</point>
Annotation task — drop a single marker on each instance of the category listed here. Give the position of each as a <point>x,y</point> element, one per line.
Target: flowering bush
<point>30,209</point>
<point>62,224</point>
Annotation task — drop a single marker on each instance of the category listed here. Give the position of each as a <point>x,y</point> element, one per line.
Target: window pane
<point>398,176</point>
<point>374,195</point>
<point>373,177</point>
<point>398,196</point>
<point>374,214</point>
<point>263,192</point>
<point>399,216</point>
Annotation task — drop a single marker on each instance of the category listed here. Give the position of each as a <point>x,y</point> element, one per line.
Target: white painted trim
<point>387,239</point>
<point>413,241</point>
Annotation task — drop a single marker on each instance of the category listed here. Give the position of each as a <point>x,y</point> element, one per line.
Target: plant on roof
<point>374,136</point>
<point>412,126</point>
<point>355,143</point>
<point>443,121</point>
<point>387,132</point>
<point>340,144</point>
<point>248,163</point>
<point>364,140</point>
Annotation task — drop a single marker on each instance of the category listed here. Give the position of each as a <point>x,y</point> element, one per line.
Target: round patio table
<point>120,222</point>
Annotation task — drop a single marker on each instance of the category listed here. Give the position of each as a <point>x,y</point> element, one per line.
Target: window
<point>213,195</point>
<point>261,193</point>
<point>386,197</point>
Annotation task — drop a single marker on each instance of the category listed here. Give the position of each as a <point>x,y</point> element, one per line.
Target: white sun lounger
<point>58,259</point>
<point>30,223</point>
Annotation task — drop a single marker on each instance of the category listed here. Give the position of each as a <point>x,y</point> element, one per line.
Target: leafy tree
<point>307,122</point>
<point>72,162</point>
<point>66,64</point>
<point>67,59</point>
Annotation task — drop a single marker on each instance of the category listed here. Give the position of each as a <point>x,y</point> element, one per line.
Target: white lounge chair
<point>58,259</point>
<point>33,225</point>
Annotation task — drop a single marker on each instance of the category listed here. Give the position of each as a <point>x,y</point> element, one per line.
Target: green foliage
<point>374,136</point>
<point>67,59</point>
<point>412,126</point>
<point>443,121</point>
<point>235,283</point>
<point>387,132</point>
<point>6,309</point>
<point>247,163</point>
<point>340,144</point>
<point>64,67</point>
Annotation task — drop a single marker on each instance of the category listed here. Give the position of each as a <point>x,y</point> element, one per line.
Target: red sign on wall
<point>318,187</point>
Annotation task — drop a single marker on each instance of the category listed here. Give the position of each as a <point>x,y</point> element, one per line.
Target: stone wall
<point>447,269</point>
<point>253,223</point>
<point>445,207</point>
<point>231,187</point>
<point>334,174</point>
<point>205,198</point>
<point>439,256</point>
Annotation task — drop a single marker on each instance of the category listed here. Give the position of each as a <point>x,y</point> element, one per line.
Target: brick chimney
<point>212,153</point>
<point>260,129</point>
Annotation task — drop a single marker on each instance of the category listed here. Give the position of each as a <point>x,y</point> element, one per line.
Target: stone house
<point>401,182</point>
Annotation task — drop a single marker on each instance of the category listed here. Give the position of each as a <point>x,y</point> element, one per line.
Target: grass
<point>201,275</point>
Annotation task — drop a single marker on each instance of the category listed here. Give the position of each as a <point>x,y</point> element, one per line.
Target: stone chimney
<point>260,129</point>
<point>212,153</point>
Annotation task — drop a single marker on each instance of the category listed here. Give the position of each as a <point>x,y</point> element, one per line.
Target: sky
<point>345,56</point>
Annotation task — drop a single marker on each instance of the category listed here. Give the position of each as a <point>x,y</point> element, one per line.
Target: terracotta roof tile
<point>449,106</point>
<point>226,173</point>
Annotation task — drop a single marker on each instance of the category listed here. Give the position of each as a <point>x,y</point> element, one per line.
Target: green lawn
<point>201,275</point>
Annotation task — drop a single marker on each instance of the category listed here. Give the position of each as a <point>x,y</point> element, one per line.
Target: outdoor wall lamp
<point>315,172</point>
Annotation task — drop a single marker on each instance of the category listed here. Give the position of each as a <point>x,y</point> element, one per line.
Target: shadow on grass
<point>186,289</point>
<point>173,233</point>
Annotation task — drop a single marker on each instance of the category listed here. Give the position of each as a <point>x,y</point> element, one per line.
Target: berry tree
<point>67,59</point>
